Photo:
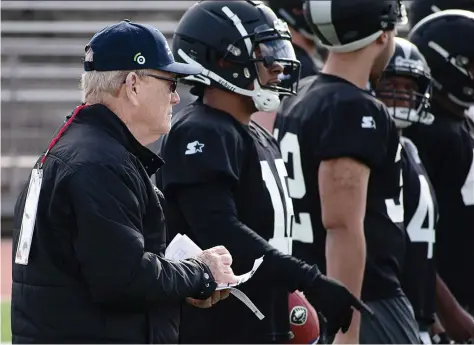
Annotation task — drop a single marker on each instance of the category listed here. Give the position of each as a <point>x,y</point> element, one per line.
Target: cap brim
<point>182,69</point>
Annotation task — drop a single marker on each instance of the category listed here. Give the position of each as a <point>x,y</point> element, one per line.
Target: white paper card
<point>244,277</point>
<point>182,247</point>
<point>29,217</point>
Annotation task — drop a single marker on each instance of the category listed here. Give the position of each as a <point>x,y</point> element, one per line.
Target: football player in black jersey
<point>406,88</point>
<point>308,51</point>
<point>420,9</point>
<point>446,148</point>
<point>343,158</point>
<point>225,180</point>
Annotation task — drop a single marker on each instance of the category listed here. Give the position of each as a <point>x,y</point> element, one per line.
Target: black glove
<point>335,303</point>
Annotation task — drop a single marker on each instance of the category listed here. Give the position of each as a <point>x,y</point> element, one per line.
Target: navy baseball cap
<point>130,46</point>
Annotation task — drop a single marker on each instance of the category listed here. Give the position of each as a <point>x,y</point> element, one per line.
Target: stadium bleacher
<point>42,49</point>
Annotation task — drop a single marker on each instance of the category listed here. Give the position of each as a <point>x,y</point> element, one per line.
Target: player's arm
<point>458,323</point>
<point>354,141</point>
<point>210,210</point>
<point>343,191</point>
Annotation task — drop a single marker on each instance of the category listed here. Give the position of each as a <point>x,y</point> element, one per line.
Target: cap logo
<point>168,50</point>
<point>139,58</point>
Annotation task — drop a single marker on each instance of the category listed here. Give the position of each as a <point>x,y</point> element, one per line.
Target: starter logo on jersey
<point>368,122</point>
<point>298,316</point>
<point>194,147</point>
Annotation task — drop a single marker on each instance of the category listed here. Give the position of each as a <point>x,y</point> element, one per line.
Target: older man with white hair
<point>90,233</point>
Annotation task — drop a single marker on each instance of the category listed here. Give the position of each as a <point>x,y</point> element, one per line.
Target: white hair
<point>97,84</point>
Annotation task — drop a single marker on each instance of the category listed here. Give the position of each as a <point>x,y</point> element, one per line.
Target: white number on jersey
<point>282,237</point>
<point>394,211</point>
<point>467,190</point>
<point>303,230</point>
<point>415,229</point>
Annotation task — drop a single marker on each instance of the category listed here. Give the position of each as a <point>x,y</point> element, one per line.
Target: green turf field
<point>6,336</point>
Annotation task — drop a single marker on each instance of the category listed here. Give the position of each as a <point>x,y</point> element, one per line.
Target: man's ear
<point>132,87</point>
<point>383,38</point>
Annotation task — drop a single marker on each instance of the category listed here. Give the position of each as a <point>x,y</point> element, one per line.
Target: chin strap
<point>404,117</point>
<point>265,100</point>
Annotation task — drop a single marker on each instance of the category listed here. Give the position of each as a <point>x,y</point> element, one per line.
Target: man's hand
<point>218,260</point>
<point>335,303</point>
<point>457,322</point>
<point>459,325</point>
<point>216,297</point>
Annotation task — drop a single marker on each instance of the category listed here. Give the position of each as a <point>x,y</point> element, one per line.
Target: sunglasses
<point>173,83</point>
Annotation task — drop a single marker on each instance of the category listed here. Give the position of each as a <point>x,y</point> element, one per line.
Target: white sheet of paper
<point>29,217</point>
<point>182,247</point>
<point>244,277</point>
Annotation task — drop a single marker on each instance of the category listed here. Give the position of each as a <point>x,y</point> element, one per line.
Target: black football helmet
<point>232,40</point>
<point>420,9</point>
<point>407,61</point>
<point>349,25</point>
<point>451,60</point>
<point>291,11</point>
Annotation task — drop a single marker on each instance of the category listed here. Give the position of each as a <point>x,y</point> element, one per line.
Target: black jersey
<point>208,146</point>
<point>421,216</point>
<point>331,118</point>
<point>446,148</point>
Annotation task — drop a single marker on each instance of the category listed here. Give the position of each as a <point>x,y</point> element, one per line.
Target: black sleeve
<point>214,221</point>
<point>201,152</point>
<point>358,129</point>
<point>109,245</point>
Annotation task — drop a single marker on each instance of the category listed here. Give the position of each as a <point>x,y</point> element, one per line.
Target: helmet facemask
<point>407,97</point>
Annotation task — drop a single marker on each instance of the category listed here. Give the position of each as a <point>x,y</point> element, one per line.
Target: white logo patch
<point>193,148</point>
<point>368,122</point>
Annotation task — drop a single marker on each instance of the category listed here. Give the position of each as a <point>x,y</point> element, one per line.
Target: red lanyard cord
<point>61,132</point>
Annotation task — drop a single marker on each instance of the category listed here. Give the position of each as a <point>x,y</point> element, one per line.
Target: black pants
<point>394,323</point>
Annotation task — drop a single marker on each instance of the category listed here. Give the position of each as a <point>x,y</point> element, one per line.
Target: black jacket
<point>96,270</point>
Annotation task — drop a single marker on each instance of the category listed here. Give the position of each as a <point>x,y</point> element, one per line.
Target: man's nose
<point>175,98</point>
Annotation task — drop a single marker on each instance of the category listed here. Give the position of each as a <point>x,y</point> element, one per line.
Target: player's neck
<point>228,102</point>
<point>351,67</point>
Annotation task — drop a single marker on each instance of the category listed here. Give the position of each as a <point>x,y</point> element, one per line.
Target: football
<point>304,322</point>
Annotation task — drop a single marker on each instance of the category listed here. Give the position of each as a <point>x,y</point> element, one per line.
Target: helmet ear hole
<point>224,63</point>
